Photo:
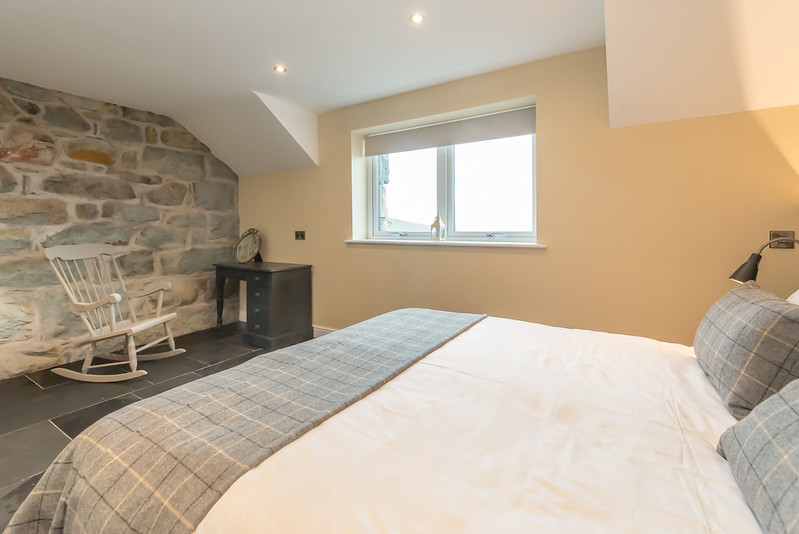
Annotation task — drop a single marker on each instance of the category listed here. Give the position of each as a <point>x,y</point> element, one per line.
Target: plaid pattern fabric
<point>160,464</point>
<point>763,453</point>
<point>747,345</point>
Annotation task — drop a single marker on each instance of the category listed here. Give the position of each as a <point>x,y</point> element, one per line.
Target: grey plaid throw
<point>160,464</point>
<point>748,344</point>
<point>763,452</point>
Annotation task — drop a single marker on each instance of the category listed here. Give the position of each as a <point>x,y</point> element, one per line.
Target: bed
<point>497,426</point>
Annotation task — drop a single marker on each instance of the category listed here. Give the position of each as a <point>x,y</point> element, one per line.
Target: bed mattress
<point>510,427</point>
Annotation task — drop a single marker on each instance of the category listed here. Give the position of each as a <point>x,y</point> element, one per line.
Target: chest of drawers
<point>278,301</point>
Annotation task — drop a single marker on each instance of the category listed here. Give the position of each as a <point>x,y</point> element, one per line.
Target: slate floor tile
<point>161,370</point>
<point>216,351</point>
<point>48,379</point>
<point>15,386</point>
<point>76,422</point>
<point>227,364</point>
<point>26,404</point>
<point>155,389</point>
<point>223,333</point>
<point>28,451</point>
<point>238,339</point>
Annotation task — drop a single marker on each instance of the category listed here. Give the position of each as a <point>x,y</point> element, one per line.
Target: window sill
<point>501,244</point>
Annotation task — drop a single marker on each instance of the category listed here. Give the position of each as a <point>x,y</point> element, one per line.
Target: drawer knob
<point>256,294</point>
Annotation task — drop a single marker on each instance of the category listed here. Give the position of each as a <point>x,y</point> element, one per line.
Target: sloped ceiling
<point>208,64</point>
<point>691,58</point>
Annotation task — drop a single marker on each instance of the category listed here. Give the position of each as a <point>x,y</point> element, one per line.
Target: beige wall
<point>642,224</point>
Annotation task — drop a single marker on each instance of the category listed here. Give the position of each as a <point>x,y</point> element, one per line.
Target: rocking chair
<point>92,279</point>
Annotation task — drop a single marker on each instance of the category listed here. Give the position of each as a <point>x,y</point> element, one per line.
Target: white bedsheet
<point>511,427</point>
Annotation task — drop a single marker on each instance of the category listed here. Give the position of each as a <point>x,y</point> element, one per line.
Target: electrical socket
<point>774,234</point>
<point>299,235</point>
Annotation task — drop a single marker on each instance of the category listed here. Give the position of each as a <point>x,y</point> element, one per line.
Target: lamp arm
<point>748,269</point>
<point>777,240</point>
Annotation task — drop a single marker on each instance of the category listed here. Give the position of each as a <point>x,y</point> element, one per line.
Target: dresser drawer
<point>278,302</point>
<point>257,308</point>
<point>257,320</point>
<point>256,278</point>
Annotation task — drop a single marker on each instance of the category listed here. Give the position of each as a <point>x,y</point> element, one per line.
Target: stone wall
<point>76,170</point>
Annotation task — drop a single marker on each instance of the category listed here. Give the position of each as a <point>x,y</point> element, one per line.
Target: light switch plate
<point>774,234</point>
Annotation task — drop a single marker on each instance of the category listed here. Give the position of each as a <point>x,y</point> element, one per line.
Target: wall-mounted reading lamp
<point>748,270</point>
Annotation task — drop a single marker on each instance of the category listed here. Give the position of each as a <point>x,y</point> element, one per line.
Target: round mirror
<point>248,246</point>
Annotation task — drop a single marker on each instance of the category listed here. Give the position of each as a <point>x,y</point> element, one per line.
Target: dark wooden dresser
<point>278,301</point>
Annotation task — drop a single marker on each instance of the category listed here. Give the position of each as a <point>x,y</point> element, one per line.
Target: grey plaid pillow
<point>747,345</point>
<point>763,452</point>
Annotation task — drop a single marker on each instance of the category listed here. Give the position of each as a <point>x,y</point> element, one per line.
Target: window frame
<point>445,205</point>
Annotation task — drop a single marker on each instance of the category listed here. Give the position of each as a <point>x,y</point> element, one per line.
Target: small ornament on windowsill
<point>438,231</point>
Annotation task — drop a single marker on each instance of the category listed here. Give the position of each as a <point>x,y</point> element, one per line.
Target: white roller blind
<point>494,126</point>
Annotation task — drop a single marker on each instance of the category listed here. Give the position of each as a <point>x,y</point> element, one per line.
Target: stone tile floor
<point>41,412</point>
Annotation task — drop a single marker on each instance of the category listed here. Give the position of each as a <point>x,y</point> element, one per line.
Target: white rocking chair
<point>92,279</point>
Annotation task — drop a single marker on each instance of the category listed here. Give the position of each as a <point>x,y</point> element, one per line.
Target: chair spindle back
<point>89,273</point>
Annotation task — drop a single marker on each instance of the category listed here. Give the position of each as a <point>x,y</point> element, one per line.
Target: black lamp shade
<point>748,270</point>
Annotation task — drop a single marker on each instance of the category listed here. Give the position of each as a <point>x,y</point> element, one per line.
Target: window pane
<point>493,185</point>
<point>406,184</point>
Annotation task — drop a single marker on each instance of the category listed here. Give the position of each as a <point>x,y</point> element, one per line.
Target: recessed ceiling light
<point>417,18</point>
<point>280,69</point>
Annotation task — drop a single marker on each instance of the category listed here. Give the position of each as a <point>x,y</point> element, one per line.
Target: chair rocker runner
<point>94,284</point>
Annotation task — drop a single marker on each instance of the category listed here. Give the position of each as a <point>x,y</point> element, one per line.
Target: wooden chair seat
<point>94,284</point>
<point>145,324</point>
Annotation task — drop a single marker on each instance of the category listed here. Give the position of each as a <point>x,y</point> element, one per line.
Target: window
<point>482,188</point>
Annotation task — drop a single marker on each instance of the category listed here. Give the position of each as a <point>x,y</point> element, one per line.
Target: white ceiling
<point>208,64</point>
<point>199,61</point>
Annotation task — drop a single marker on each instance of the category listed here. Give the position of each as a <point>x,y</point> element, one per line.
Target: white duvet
<point>510,427</point>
